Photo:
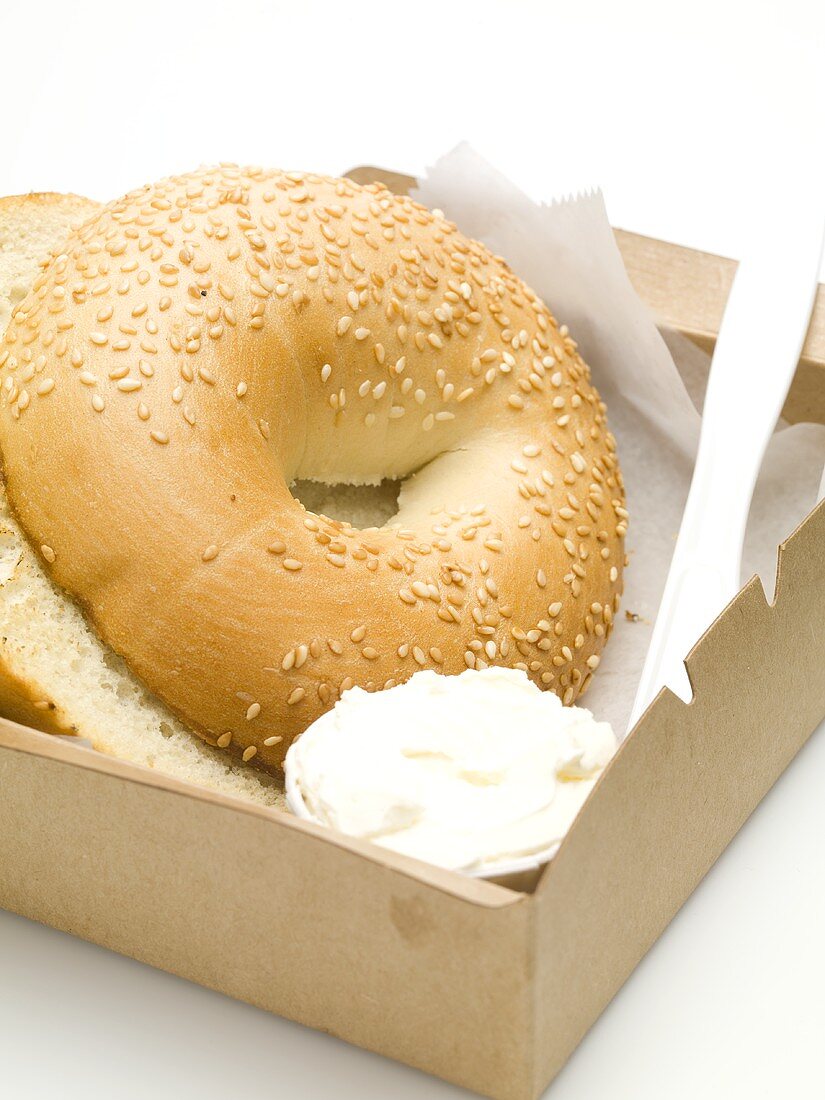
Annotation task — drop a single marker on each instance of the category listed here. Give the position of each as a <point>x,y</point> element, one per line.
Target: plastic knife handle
<point>760,341</point>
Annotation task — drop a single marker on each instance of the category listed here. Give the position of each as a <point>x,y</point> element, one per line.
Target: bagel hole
<point>360,505</point>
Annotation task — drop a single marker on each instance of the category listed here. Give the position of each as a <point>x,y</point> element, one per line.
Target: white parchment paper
<point>652,383</point>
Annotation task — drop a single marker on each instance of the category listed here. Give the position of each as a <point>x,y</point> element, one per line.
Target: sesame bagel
<point>200,345</point>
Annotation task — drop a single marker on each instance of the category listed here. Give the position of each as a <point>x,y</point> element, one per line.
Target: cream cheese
<point>466,772</point>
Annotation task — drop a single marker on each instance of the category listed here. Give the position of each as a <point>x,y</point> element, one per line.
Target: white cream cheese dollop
<point>466,772</point>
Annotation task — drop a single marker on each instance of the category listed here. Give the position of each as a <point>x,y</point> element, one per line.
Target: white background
<point>698,119</point>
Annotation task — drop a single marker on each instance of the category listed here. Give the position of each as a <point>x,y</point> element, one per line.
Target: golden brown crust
<point>19,702</point>
<point>26,239</point>
<point>206,341</point>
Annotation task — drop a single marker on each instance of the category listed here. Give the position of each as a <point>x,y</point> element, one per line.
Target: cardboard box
<point>485,986</point>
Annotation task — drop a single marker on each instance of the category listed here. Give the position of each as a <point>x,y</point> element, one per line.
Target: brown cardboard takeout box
<point>488,987</point>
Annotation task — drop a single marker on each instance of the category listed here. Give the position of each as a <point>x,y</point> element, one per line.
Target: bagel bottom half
<point>56,675</point>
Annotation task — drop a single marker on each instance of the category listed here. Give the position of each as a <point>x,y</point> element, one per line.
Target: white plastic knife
<point>763,330</point>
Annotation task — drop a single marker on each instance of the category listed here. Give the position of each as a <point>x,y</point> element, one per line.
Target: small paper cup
<point>514,873</point>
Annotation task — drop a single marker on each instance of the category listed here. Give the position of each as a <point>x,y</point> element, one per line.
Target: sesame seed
<point>47,553</point>
<point>274,740</point>
<point>292,564</point>
<point>224,740</point>
<point>248,753</point>
<point>210,553</point>
<point>253,711</point>
<point>98,404</point>
<point>45,386</point>
<point>158,437</point>
<point>295,696</point>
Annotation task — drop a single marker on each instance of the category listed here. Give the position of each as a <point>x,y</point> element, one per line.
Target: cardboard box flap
<point>242,902</point>
<point>750,633</point>
<point>60,749</point>
<point>681,786</point>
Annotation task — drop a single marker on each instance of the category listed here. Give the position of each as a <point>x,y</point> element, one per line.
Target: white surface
<point>686,118</point>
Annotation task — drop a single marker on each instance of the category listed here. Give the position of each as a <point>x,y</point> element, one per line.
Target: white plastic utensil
<point>760,340</point>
